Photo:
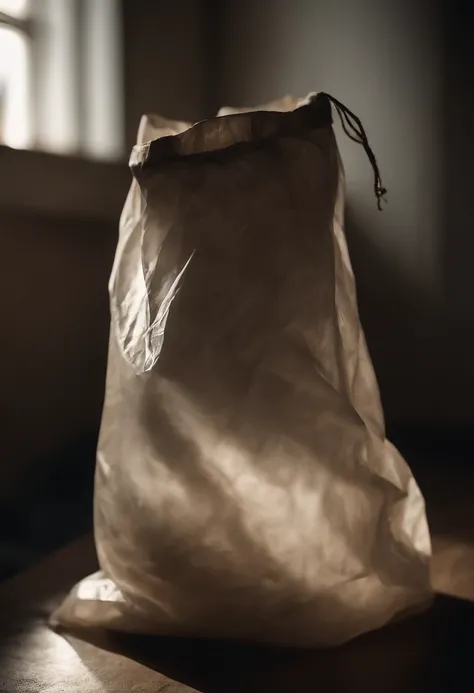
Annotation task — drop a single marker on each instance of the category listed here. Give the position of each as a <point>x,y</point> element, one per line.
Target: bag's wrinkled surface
<point>244,485</point>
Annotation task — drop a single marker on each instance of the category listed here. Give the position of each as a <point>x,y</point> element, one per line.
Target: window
<point>61,76</point>
<point>15,62</point>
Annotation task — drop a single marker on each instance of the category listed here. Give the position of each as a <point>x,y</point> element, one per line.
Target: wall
<point>386,61</point>
<point>458,221</point>
<point>58,221</point>
<point>164,56</point>
<point>53,303</point>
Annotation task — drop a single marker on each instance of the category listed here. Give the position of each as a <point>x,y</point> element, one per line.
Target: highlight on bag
<point>244,485</point>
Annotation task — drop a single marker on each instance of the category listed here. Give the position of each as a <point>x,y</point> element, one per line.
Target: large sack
<point>244,484</point>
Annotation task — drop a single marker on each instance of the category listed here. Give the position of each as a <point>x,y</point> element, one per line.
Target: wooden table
<point>433,652</point>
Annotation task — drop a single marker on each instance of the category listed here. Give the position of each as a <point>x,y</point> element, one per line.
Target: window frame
<point>67,184</point>
<point>22,24</point>
<point>66,41</point>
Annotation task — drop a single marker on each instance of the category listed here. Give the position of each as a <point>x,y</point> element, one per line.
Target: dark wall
<point>54,308</point>
<point>458,179</point>
<point>165,56</point>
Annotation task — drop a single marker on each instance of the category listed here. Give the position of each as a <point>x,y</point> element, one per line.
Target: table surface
<point>431,652</point>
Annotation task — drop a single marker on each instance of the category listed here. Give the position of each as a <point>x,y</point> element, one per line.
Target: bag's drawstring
<point>354,129</point>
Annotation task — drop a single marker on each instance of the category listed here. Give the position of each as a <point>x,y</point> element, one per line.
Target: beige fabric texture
<point>244,485</point>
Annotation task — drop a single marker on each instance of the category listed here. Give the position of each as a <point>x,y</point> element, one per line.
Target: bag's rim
<point>215,137</point>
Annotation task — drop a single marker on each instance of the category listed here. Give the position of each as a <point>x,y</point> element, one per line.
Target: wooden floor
<point>433,652</point>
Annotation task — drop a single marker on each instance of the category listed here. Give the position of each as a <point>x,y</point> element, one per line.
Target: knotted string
<point>354,129</point>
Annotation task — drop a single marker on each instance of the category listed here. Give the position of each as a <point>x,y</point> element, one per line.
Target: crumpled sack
<point>244,484</point>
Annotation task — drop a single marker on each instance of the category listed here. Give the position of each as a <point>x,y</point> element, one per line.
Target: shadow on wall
<point>54,307</point>
<point>423,362</point>
<point>393,312</point>
<point>458,186</point>
<point>55,322</point>
<point>458,190</point>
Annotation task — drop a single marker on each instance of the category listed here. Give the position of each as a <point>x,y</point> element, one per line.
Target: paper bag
<point>244,484</point>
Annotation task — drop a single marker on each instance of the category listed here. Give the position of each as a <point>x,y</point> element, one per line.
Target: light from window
<point>15,8</point>
<point>15,125</point>
<point>61,76</point>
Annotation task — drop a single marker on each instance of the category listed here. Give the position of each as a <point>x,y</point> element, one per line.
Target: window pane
<point>57,77</point>
<point>102,79</point>
<point>15,125</point>
<point>15,8</point>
